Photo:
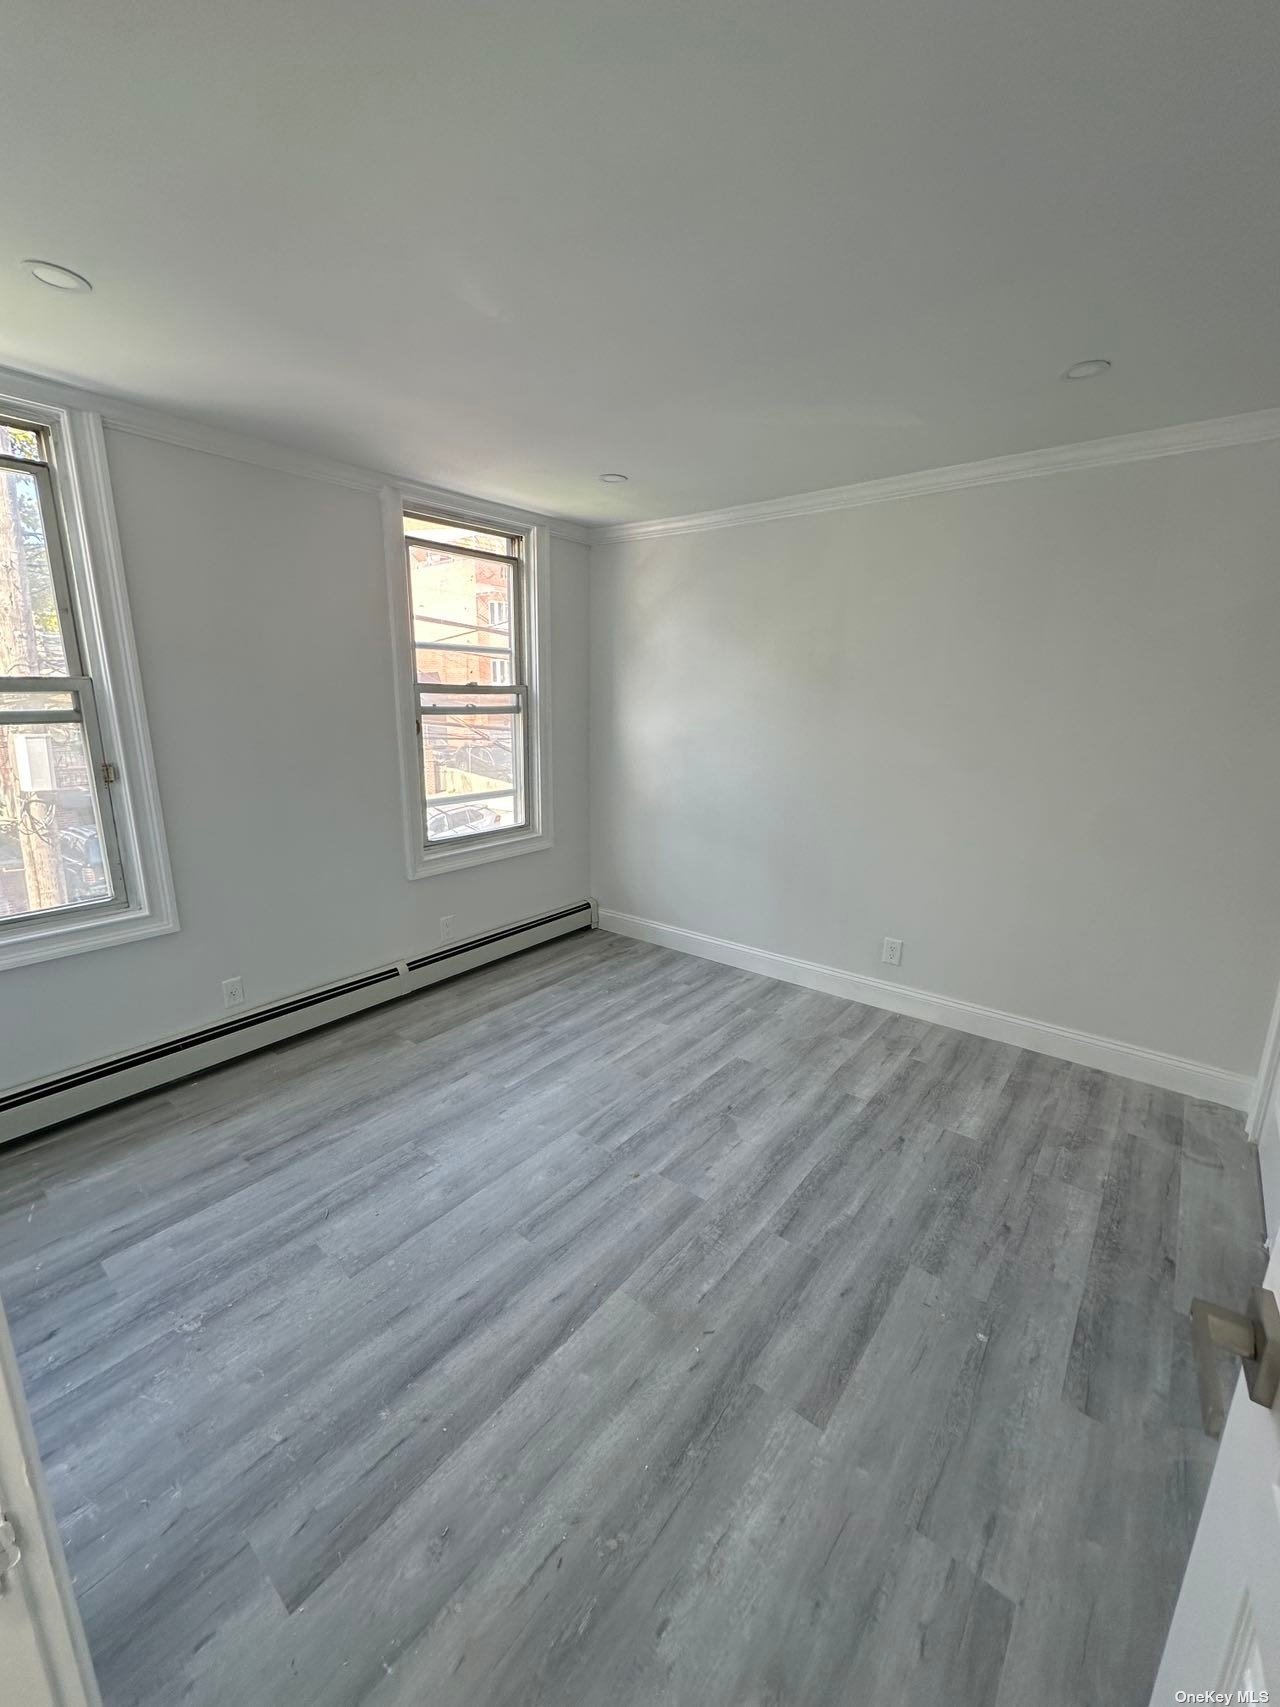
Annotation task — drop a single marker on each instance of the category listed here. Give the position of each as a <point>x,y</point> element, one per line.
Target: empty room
<point>639,854</point>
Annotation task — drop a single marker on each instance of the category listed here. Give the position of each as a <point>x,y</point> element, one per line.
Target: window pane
<point>438,664</point>
<point>22,441</point>
<point>453,600</point>
<point>37,701</point>
<point>51,844</point>
<point>419,527</point>
<point>30,628</point>
<point>473,772</point>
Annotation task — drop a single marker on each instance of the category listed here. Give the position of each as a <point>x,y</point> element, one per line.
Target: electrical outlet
<point>233,992</point>
<point>446,928</point>
<point>891,954</point>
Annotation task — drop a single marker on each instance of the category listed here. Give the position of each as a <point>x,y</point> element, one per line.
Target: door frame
<point>42,1579</point>
<point>1263,1124</point>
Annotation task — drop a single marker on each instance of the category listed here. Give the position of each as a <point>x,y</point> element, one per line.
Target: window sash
<point>84,712</point>
<point>517,790</point>
<point>75,688</point>
<point>461,646</point>
<point>469,692</point>
<point>42,474</point>
<point>515,556</point>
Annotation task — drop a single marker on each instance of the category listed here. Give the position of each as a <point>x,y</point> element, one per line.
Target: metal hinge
<point>108,773</point>
<point>10,1552</point>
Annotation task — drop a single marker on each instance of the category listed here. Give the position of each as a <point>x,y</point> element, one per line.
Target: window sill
<point>454,858</point>
<point>77,936</point>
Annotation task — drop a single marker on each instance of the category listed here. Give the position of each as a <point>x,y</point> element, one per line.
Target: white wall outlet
<point>891,954</point>
<point>233,992</point>
<point>446,928</point>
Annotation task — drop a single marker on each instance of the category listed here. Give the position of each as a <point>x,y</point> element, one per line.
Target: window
<point>81,854</point>
<point>471,684</point>
<point>474,752</point>
<point>58,843</point>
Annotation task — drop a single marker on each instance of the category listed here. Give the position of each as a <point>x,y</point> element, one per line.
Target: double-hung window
<point>58,843</point>
<point>81,860</point>
<point>467,597</point>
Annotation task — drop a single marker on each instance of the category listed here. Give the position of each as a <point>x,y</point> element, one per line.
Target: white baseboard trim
<point>1128,1060</point>
<point>82,1090</point>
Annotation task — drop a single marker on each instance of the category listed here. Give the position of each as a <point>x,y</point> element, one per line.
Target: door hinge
<point>108,773</point>
<point>10,1552</point>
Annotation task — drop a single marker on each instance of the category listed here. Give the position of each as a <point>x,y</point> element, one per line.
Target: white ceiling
<point>734,248</point>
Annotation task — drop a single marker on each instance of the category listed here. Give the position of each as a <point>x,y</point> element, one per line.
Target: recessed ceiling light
<point>1088,370</point>
<point>615,479</point>
<point>61,278</point>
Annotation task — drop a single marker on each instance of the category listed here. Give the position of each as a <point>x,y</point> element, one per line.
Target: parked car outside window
<point>445,821</point>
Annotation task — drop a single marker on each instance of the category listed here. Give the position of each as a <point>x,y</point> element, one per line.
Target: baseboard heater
<point>66,1096</point>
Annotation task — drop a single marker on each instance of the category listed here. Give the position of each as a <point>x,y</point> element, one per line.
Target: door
<point>44,1661</point>
<point>1225,1636</point>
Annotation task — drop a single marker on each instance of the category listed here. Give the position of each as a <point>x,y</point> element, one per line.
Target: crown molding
<point>1059,459</point>
<point>190,433</point>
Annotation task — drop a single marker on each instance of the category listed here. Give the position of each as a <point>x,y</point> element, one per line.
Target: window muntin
<point>468,620</point>
<point>58,845</point>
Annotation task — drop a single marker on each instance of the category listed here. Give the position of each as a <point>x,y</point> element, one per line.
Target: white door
<point>1225,1636</point>
<point>44,1661</point>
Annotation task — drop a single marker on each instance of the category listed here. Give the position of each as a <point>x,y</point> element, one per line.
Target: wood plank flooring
<point>609,1328</point>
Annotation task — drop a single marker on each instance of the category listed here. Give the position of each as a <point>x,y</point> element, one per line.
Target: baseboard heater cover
<point>65,1096</point>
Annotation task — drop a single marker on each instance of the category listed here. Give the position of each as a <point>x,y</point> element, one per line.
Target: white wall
<point>1032,728</point>
<point>260,611</point>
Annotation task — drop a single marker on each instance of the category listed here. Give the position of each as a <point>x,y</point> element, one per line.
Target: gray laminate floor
<point>609,1327</point>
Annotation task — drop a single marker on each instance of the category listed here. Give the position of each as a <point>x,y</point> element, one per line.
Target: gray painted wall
<point>260,611</point>
<point>1031,728</point>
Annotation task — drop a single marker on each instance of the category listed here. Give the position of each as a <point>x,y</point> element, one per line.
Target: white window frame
<point>536,833</point>
<point>100,610</point>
